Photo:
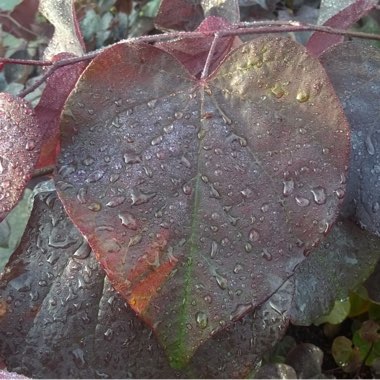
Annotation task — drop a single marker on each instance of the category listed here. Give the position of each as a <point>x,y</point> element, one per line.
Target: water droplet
<point>234,137</point>
<point>185,162</point>
<point>213,192</point>
<point>247,192</point>
<point>278,91</point>
<point>178,115</point>
<point>152,103</point>
<point>116,201</point>
<point>66,170</point>
<point>266,255</point>
<point>131,158</point>
<point>78,356</point>
<point>169,128</point>
<point>238,268</point>
<point>128,220</point>
<point>94,206</point>
<point>303,202</point>
<point>240,311</point>
<point>83,251</point>
<point>340,193</point>
<point>201,319</point>
<point>248,247</point>
<point>148,171</point>
<point>95,176</point>
<point>288,187</point>
<point>319,195</point>
<point>134,240</point>
<point>265,207</point>
<point>88,161</point>
<point>214,249</point>
<point>139,197</point>
<point>114,177</point>
<point>186,189</point>
<point>375,207</point>
<point>253,235</point>
<point>157,140</point>
<point>220,280</point>
<point>30,145</point>
<point>108,335</point>
<point>369,145</point>
<point>302,96</point>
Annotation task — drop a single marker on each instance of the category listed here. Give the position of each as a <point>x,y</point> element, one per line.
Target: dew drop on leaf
<point>220,280</point>
<point>253,235</point>
<point>131,158</point>
<point>319,195</point>
<point>240,311</point>
<point>186,189</point>
<point>94,206</point>
<point>139,197</point>
<point>302,96</point>
<point>30,145</point>
<point>115,201</point>
<point>128,220</point>
<point>288,187</point>
<point>95,176</point>
<point>302,202</point>
<point>201,319</point>
<point>214,249</point>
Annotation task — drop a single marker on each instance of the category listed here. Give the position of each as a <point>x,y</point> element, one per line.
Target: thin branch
<point>31,62</point>
<point>243,28</point>
<point>54,67</point>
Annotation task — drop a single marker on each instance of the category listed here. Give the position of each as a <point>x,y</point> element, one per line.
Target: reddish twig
<point>243,28</point>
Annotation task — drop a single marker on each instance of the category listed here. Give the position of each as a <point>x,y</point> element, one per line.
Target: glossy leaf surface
<point>359,94</point>
<point>179,189</point>
<point>54,296</point>
<point>20,138</point>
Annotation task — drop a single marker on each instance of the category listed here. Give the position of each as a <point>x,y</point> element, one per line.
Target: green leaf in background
<point>9,5</point>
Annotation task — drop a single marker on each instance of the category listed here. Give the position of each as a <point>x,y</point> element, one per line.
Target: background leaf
<point>340,264</point>
<point>179,190</point>
<point>20,137</point>
<point>339,14</point>
<point>67,37</point>
<point>359,94</point>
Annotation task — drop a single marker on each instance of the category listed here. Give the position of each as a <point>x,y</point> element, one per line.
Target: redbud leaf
<point>180,185</point>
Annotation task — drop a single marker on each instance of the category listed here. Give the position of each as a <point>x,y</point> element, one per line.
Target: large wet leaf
<point>180,185</point>
<point>54,296</point>
<point>359,94</point>
<point>20,137</point>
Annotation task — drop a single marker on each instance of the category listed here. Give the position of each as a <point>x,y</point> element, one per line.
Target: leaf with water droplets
<point>359,94</point>
<point>187,223</point>
<point>59,300</point>
<point>20,136</point>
